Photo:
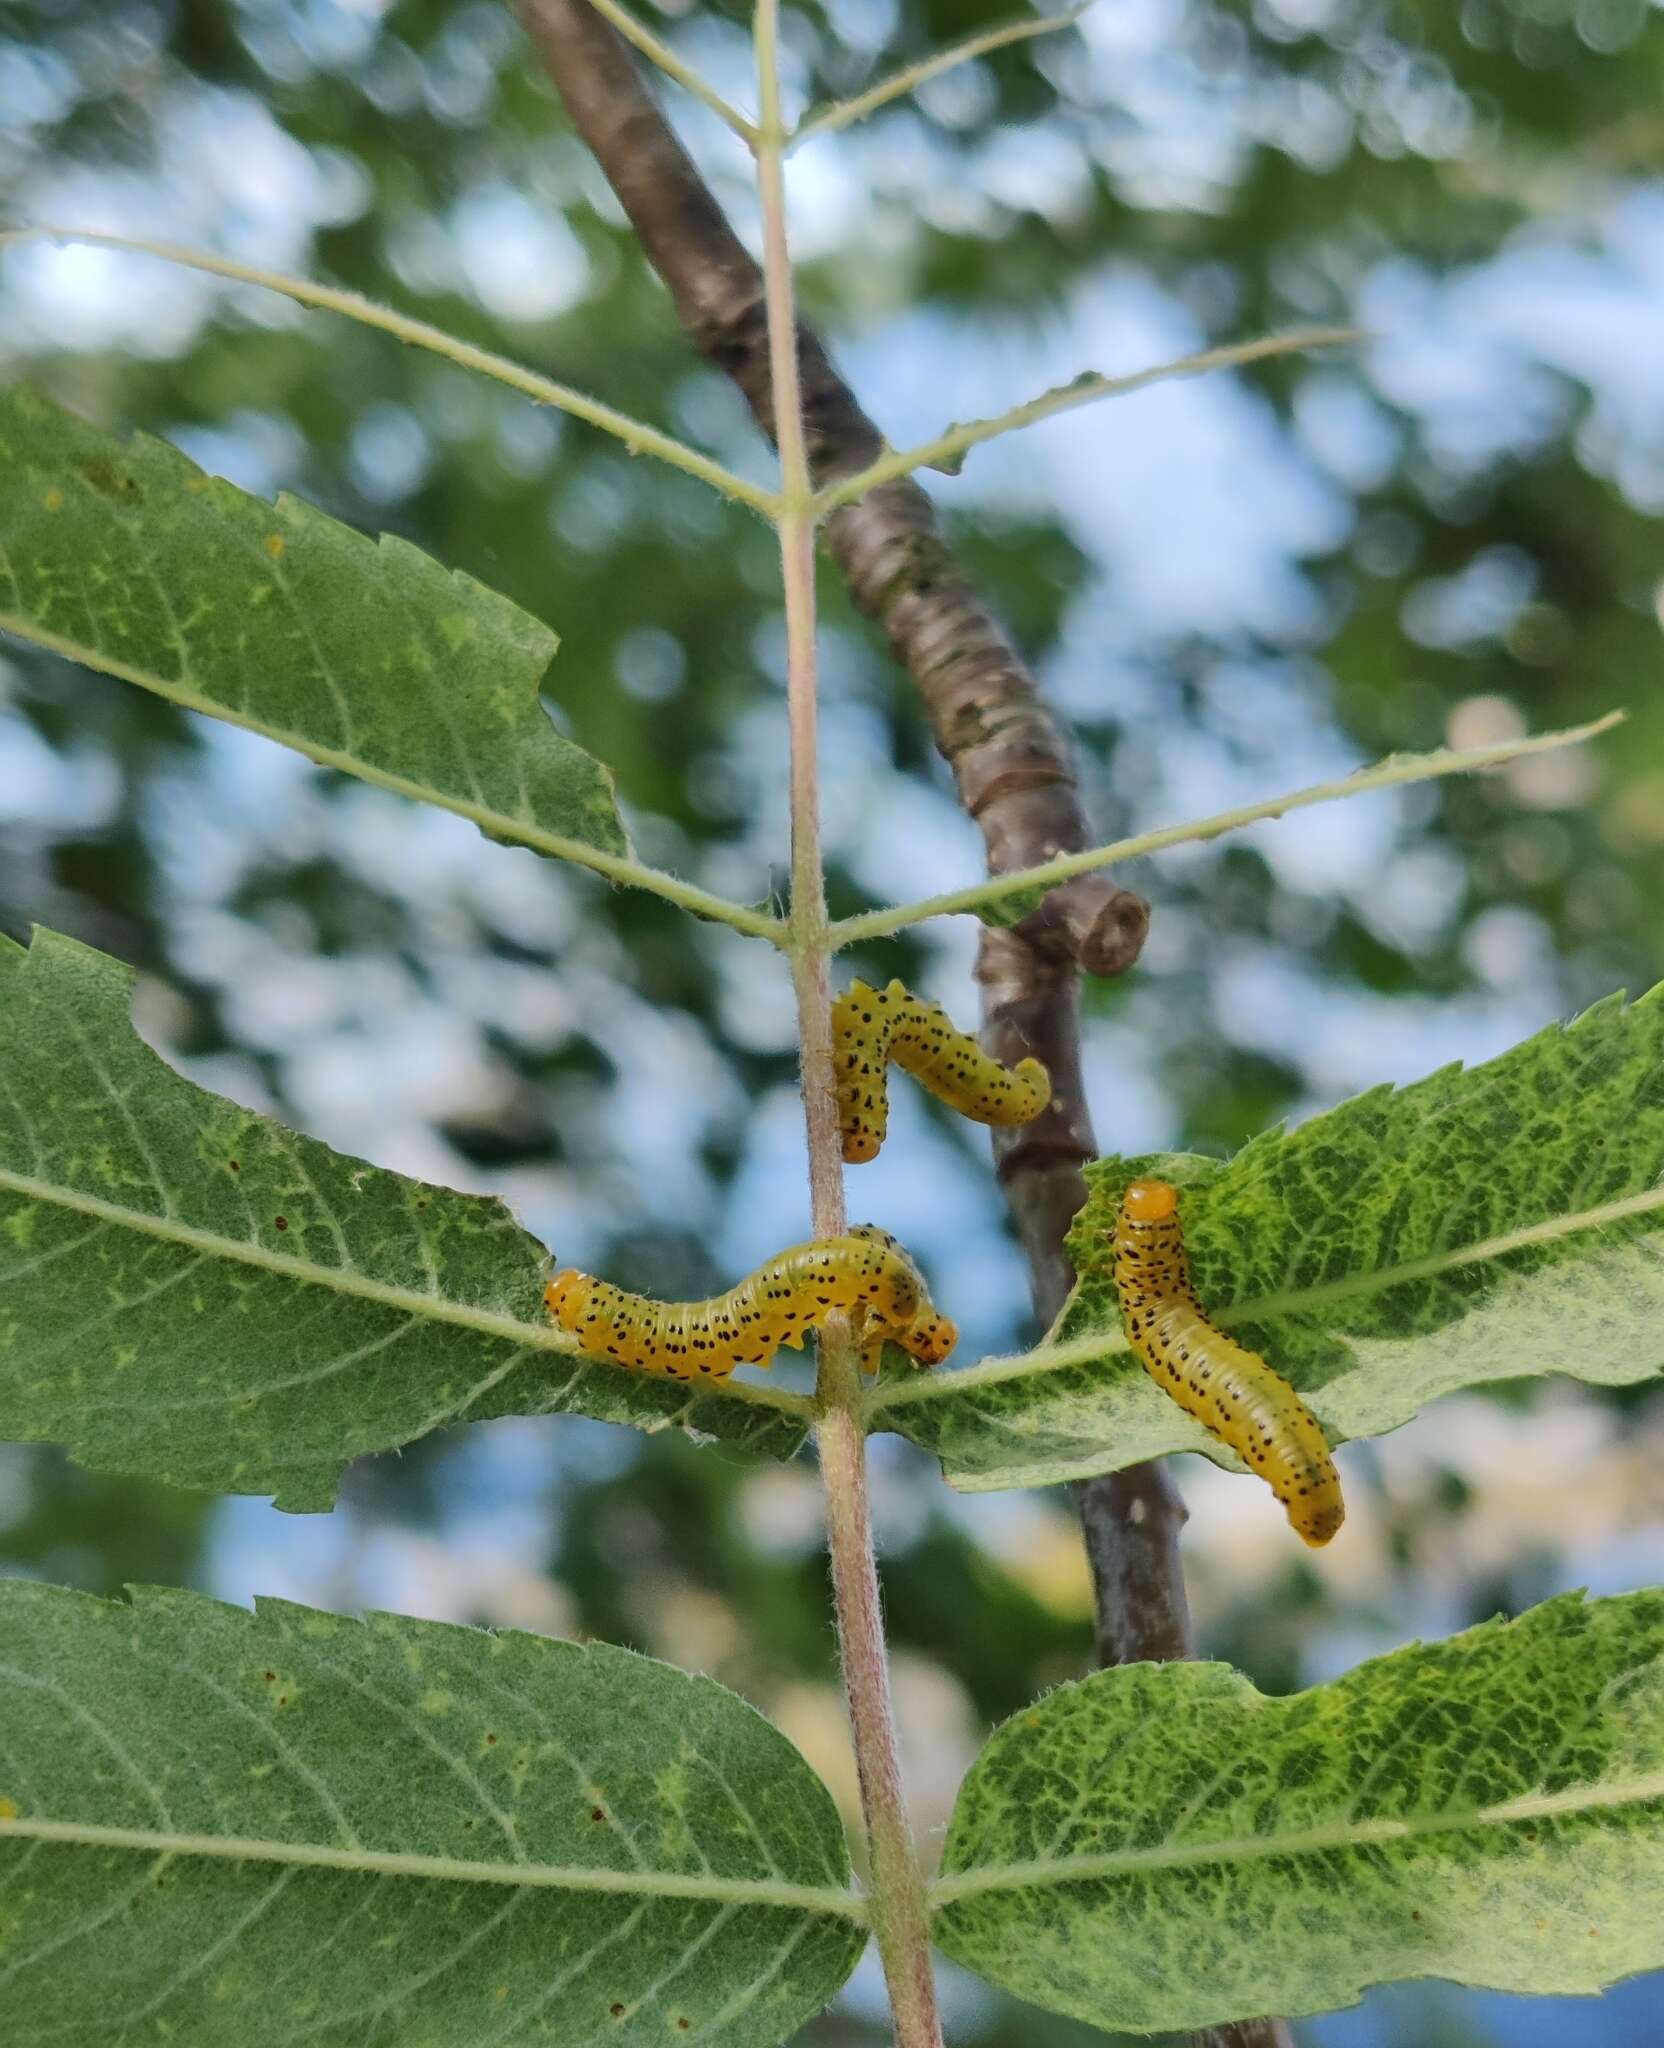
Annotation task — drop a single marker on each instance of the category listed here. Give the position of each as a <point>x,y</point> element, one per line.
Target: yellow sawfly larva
<point>865,1273</point>
<point>1229,1389</point>
<point>871,1027</point>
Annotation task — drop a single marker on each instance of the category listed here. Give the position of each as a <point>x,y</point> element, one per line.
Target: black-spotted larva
<point>1230,1390</point>
<point>865,1273</point>
<point>871,1027</point>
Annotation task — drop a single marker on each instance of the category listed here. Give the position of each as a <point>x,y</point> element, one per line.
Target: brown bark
<point>1010,759</point>
<point>1247,2034</point>
<point>1008,755</point>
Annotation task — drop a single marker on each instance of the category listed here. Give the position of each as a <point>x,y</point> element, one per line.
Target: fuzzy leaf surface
<point>191,1291</point>
<point>366,656</point>
<point>1161,1846</point>
<point>286,1827</point>
<point>1483,1224</point>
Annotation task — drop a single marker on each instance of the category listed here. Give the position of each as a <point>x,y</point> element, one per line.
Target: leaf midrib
<point>1530,1806</point>
<point>1045,1358</point>
<point>348,1280</point>
<point>443,1869</point>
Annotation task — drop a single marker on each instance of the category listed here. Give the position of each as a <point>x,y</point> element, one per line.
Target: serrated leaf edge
<point>500,825</point>
<point>1081,1350</point>
<point>346,1280</point>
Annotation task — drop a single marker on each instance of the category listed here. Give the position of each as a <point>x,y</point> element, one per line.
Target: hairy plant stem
<point>824,120</point>
<point>1012,766</point>
<point>637,435</point>
<point>947,451</point>
<point>900,1911</point>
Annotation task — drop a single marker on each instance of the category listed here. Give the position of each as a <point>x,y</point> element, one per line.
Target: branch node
<point>1099,924</point>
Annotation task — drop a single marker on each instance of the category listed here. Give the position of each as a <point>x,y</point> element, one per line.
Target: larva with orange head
<point>871,1027</point>
<point>866,1274</point>
<point>1230,1390</point>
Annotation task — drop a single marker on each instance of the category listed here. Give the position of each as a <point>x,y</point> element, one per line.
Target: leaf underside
<point>503,1822</point>
<point>1161,1846</point>
<point>1483,1224</point>
<point>368,657</point>
<point>193,1292</point>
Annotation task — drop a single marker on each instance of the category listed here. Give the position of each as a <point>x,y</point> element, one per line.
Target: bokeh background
<point>1232,587</point>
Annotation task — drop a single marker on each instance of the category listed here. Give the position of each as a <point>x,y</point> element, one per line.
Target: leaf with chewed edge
<point>1483,1224</point>
<point>1162,1846</point>
<point>191,1291</point>
<point>366,656</point>
<point>285,1827</point>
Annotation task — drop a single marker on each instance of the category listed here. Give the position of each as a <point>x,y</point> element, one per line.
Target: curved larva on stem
<point>871,1027</point>
<point>865,1273</point>
<point>1230,1390</point>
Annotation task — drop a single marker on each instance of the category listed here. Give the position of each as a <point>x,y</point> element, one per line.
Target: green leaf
<point>1163,1846</point>
<point>191,1291</point>
<point>365,656</point>
<point>285,1827</point>
<point>1481,1225</point>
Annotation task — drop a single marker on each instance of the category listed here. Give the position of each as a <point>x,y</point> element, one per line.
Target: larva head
<point>904,1313</point>
<point>860,1144</point>
<point>1317,1523</point>
<point>565,1295</point>
<point>929,1337</point>
<point>1150,1201</point>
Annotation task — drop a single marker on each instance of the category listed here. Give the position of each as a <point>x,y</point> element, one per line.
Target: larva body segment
<point>865,1273</point>
<point>1229,1389</point>
<point>871,1027</point>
